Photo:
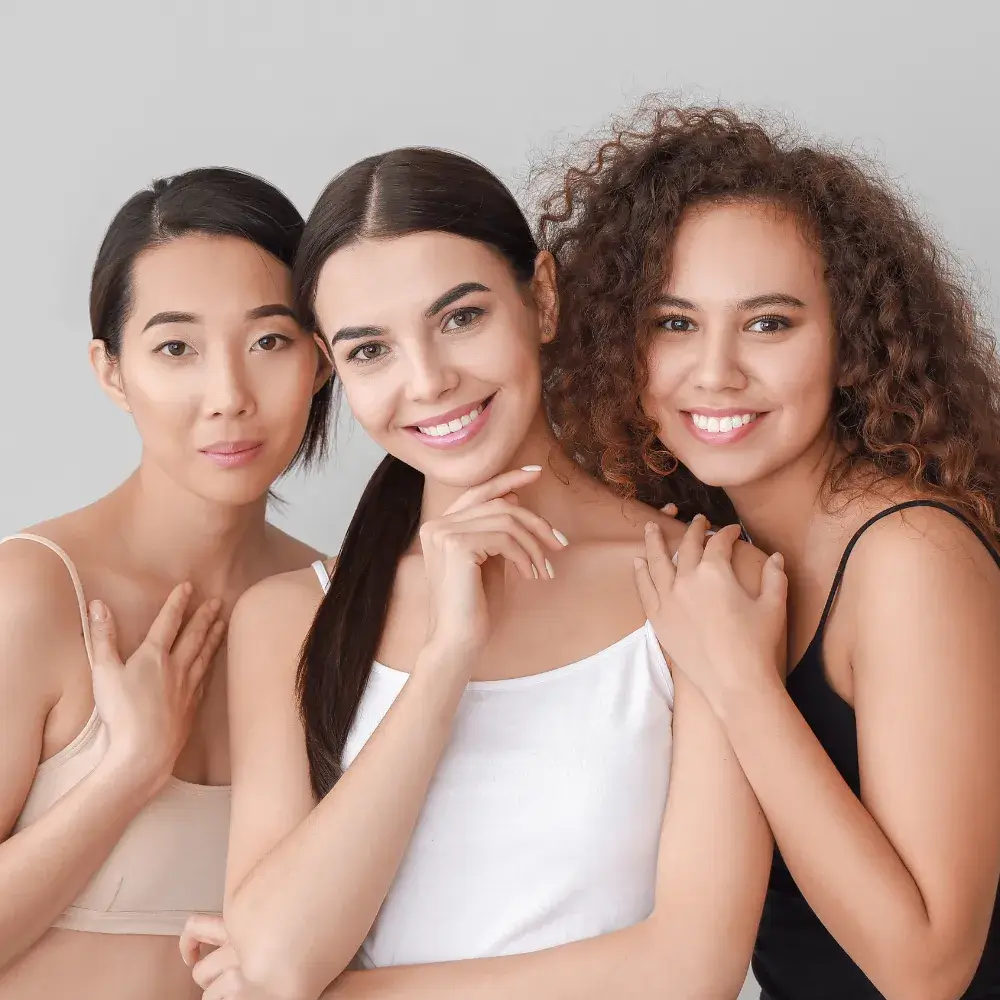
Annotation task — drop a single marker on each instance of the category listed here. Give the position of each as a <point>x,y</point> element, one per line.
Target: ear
<point>324,370</point>
<point>545,291</point>
<point>109,374</point>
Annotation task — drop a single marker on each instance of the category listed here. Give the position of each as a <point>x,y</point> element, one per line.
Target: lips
<point>452,421</point>
<point>230,447</point>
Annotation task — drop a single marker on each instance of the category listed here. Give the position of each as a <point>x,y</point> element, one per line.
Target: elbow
<point>935,977</point>
<point>277,962</point>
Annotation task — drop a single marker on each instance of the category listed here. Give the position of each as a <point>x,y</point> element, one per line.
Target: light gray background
<point>98,98</point>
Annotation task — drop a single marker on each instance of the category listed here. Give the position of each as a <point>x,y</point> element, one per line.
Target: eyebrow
<point>744,305</point>
<point>452,295</point>
<point>261,312</point>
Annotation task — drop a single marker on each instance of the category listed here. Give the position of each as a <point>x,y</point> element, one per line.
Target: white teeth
<point>439,430</point>
<point>721,425</point>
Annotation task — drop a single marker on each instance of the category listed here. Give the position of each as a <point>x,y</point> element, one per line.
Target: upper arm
<point>39,625</point>
<point>715,851</point>
<point>271,789</point>
<point>926,665</point>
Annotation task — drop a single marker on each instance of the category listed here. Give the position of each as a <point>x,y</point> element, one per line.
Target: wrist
<point>748,694</point>
<point>133,775</point>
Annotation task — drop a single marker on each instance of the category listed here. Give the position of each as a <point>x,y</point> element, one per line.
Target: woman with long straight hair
<point>460,762</point>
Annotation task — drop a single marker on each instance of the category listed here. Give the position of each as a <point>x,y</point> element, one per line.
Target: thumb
<point>103,636</point>
<point>774,583</point>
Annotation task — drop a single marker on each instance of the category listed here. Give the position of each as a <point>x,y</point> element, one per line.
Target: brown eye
<point>271,342</point>
<point>173,349</point>
<point>366,353</point>
<point>462,318</point>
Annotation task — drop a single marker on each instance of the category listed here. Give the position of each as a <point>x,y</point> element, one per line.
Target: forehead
<point>376,278</point>
<point>208,275</point>
<point>742,249</point>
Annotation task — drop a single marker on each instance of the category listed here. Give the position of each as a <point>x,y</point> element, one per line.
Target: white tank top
<point>541,825</point>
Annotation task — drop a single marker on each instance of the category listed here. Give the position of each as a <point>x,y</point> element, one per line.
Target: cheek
<point>664,379</point>
<point>370,401</point>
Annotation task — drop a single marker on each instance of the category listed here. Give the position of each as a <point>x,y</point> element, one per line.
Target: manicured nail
<point>534,572</point>
<point>650,527</point>
<point>698,517</point>
<point>560,537</point>
<point>98,612</point>
<point>551,571</point>
<point>531,468</point>
<point>779,560</point>
<point>638,563</point>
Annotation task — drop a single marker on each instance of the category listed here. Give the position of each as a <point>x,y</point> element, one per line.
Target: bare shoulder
<point>924,547</point>
<point>271,620</point>
<point>40,618</point>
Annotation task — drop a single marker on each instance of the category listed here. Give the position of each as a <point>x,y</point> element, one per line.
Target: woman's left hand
<point>722,637</point>
<point>218,972</point>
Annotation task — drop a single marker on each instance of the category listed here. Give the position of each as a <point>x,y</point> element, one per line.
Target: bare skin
<point>904,879</point>
<point>466,605</point>
<point>178,518</point>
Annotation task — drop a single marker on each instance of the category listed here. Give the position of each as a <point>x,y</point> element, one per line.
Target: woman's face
<point>742,362</point>
<point>437,348</point>
<point>216,372</point>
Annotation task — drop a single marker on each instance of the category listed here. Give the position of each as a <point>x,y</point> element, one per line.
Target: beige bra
<point>171,860</point>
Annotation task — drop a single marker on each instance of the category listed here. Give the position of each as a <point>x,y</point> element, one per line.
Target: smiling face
<point>742,356</point>
<point>437,348</point>
<point>216,372</point>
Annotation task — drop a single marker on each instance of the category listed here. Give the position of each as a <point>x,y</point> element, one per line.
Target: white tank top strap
<point>319,567</point>
<point>74,576</point>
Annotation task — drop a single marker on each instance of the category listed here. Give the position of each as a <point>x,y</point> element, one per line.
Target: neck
<point>781,511</point>
<point>176,535</point>
<point>547,496</point>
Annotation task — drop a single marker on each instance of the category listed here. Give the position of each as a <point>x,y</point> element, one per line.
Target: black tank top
<point>795,958</point>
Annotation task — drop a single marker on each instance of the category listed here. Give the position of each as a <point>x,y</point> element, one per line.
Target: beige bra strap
<point>74,576</point>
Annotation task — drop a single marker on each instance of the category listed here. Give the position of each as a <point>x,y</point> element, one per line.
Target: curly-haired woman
<point>750,312</point>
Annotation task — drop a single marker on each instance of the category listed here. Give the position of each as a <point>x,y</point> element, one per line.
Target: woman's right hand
<point>148,703</point>
<point>465,553</point>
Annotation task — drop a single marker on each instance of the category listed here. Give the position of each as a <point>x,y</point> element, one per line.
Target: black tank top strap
<point>895,509</point>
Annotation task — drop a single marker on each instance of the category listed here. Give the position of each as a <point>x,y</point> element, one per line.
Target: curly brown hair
<point>920,402</point>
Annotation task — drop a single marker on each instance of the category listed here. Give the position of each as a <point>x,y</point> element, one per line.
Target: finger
<point>648,593</point>
<point>198,671</point>
<point>167,623</point>
<point>719,548</point>
<point>505,545</point>
<point>509,523</point>
<point>692,546</point>
<point>670,510</point>
<point>774,583</point>
<point>212,966</point>
<point>661,567</point>
<point>226,987</point>
<point>193,635</point>
<point>201,928</point>
<point>103,635</point>
<point>496,487</point>
<point>549,536</point>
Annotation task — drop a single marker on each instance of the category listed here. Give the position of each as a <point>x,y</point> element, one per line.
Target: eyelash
<point>279,337</point>
<point>783,322</point>
<point>475,312</point>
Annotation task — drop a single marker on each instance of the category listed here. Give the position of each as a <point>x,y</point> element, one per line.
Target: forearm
<point>301,915</point>
<point>44,866</point>
<point>640,962</point>
<point>832,846</point>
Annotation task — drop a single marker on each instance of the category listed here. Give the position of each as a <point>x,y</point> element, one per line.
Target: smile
<point>725,428</point>
<point>721,425</point>
<point>455,427</point>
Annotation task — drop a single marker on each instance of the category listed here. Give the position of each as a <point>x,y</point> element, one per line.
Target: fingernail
<point>98,612</point>
<point>779,560</point>
<point>638,563</point>
<point>560,537</point>
<point>650,527</point>
<point>534,572</point>
<point>548,566</point>
<point>698,517</point>
<point>531,468</point>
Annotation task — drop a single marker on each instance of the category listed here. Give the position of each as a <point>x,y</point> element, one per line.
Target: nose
<point>228,390</point>
<point>430,375</point>
<point>717,364</point>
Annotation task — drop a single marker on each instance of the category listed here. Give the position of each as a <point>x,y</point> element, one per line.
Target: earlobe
<point>109,374</point>
<point>544,288</point>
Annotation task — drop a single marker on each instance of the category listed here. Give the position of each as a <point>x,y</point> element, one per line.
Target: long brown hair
<point>381,197</point>
<point>920,395</point>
